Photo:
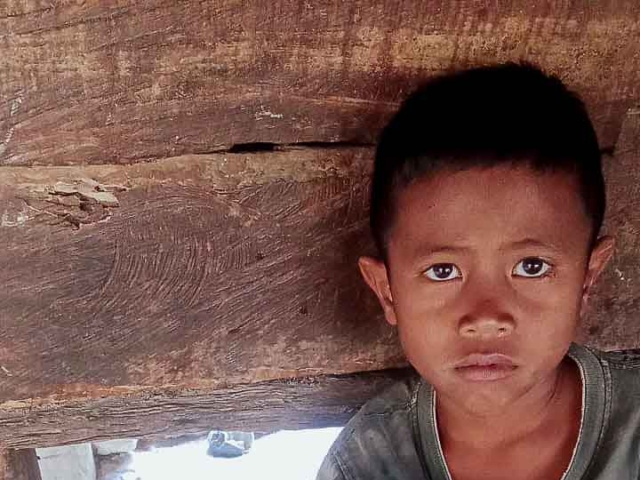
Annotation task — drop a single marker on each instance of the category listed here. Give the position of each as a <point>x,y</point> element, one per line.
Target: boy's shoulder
<point>613,420</point>
<point>621,369</point>
<point>622,379</point>
<point>628,359</point>
<point>379,439</point>
<point>396,397</point>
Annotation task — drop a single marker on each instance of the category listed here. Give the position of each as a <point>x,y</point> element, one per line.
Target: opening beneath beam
<point>286,455</point>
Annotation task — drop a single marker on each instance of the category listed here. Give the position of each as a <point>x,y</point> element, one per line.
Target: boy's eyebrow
<point>427,250</point>
<point>531,242</point>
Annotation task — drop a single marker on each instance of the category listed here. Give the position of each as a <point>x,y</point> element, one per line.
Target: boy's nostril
<point>469,330</point>
<point>485,328</point>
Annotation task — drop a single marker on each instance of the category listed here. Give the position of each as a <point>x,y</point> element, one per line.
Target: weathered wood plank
<point>19,465</point>
<point>313,402</point>
<point>212,271</point>
<point>614,320</point>
<point>120,81</point>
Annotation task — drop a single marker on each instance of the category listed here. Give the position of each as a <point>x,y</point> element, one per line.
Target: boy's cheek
<point>427,349</point>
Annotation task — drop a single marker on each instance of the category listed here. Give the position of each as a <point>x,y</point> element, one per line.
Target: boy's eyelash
<point>549,273</point>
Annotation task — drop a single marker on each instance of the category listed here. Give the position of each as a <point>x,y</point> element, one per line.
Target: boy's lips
<point>484,367</point>
<point>484,359</point>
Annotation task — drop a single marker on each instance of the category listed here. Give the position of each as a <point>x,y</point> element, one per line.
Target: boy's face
<point>487,261</point>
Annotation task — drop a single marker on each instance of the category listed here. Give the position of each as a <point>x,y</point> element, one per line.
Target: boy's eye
<point>531,267</point>
<point>442,272</point>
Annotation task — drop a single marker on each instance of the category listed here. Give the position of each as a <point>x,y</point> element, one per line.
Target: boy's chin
<point>487,392</point>
<point>482,398</point>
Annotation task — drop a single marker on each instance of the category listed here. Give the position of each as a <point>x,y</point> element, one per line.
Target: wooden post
<point>19,465</point>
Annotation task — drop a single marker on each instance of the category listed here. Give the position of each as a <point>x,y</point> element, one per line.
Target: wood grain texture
<point>311,402</point>
<point>210,272</point>
<point>120,81</point>
<point>613,323</point>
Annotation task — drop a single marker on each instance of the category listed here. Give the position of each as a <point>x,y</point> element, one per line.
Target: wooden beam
<point>102,82</point>
<point>211,271</point>
<point>312,402</point>
<point>19,465</point>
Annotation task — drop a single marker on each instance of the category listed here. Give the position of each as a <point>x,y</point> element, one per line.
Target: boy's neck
<point>542,410</point>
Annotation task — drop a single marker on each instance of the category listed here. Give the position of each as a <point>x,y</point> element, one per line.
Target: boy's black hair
<point>507,113</point>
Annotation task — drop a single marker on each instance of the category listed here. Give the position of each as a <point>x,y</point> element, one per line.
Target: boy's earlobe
<point>376,276</point>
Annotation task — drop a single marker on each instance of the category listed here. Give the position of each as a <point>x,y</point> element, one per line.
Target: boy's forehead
<point>494,205</point>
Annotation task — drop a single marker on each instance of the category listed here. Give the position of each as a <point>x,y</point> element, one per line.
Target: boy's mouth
<point>485,367</point>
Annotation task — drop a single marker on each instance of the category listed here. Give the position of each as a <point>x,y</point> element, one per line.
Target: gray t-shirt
<point>395,437</point>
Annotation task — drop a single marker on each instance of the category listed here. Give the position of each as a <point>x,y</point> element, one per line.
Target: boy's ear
<point>600,256</point>
<point>375,274</point>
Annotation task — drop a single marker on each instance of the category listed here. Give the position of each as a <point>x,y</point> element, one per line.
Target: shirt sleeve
<point>330,469</point>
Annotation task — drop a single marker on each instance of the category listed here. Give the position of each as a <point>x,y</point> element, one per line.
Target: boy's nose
<point>488,311</point>
<point>486,326</point>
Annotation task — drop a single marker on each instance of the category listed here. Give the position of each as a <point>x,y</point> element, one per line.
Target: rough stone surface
<point>72,462</point>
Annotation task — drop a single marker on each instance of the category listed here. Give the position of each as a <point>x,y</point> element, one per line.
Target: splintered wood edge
<point>103,184</point>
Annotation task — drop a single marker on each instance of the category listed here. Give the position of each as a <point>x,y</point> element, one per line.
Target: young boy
<point>486,205</point>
